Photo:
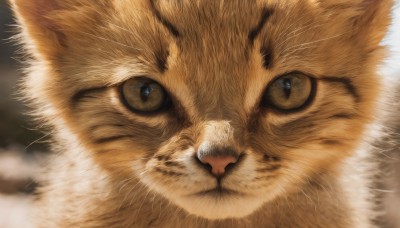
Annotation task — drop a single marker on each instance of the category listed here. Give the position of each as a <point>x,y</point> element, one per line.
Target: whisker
<point>121,28</point>
<point>37,140</point>
<point>298,32</point>
<point>129,192</point>
<point>112,41</point>
<point>314,42</point>
<point>143,201</point>
<point>292,25</point>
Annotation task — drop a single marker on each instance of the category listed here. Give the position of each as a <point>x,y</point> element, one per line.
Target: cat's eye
<point>144,95</point>
<point>289,92</point>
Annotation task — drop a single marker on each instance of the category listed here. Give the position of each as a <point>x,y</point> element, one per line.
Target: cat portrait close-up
<point>202,113</point>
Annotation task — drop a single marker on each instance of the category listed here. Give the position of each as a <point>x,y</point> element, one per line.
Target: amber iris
<point>143,95</point>
<point>288,92</point>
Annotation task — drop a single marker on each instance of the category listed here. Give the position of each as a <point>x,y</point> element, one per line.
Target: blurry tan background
<point>21,146</point>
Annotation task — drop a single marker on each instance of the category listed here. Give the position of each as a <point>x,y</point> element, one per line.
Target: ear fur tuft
<point>367,20</point>
<point>45,36</point>
<point>373,20</point>
<point>48,24</point>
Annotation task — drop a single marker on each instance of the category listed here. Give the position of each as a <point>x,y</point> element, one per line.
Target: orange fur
<point>117,168</point>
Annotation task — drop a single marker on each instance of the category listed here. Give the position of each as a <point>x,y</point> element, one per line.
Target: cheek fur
<point>215,61</point>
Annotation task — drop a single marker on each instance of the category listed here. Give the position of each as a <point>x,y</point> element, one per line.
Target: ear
<point>47,25</point>
<point>367,20</point>
<point>373,20</point>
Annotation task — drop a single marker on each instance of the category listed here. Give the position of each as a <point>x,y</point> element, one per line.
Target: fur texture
<point>113,167</point>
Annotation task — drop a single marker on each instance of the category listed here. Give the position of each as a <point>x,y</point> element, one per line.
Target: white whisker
<point>112,41</point>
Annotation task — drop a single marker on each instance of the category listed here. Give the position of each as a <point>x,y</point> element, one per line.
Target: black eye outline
<point>265,103</point>
<point>164,107</point>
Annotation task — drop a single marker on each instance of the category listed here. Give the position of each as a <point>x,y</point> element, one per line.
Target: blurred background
<point>21,146</point>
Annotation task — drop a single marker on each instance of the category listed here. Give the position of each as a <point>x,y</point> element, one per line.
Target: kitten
<point>204,113</point>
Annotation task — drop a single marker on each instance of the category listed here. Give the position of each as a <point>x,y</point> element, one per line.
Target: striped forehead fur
<point>215,60</point>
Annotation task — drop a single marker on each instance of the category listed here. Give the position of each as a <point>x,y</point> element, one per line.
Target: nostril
<point>204,165</point>
<point>230,166</point>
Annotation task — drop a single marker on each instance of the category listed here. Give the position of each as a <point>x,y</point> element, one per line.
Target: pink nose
<point>218,163</point>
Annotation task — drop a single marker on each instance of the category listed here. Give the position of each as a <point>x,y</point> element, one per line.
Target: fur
<point>113,167</point>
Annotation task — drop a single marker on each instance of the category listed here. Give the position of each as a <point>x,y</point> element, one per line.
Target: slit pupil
<point>145,92</point>
<point>287,87</point>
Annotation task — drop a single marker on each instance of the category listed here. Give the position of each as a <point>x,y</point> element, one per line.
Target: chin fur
<point>215,208</point>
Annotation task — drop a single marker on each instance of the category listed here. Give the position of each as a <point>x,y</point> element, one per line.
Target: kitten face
<point>282,88</point>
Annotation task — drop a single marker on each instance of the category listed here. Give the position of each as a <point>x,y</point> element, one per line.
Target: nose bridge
<point>218,88</point>
<point>219,138</point>
<point>218,133</point>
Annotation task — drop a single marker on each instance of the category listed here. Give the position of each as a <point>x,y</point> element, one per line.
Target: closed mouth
<point>218,192</point>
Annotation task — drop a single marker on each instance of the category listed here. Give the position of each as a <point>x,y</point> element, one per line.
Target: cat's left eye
<point>288,92</point>
<point>144,95</point>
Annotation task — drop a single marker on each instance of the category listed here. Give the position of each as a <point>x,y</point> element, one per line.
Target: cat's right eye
<point>289,92</point>
<point>144,95</point>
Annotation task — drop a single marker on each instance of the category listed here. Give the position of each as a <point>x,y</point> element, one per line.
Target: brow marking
<point>161,60</point>
<point>256,31</point>
<point>267,57</point>
<point>171,28</point>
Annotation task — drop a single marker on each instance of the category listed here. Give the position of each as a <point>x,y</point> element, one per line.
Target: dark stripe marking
<point>173,164</point>
<point>332,142</point>
<point>86,94</point>
<point>97,127</point>
<point>164,21</point>
<point>111,139</point>
<point>161,60</point>
<point>348,85</point>
<point>268,177</point>
<point>267,57</point>
<point>269,158</point>
<point>342,116</point>
<point>268,169</point>
<point>163,157</point>
<point>168,173</point>
<point>256,31</point>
